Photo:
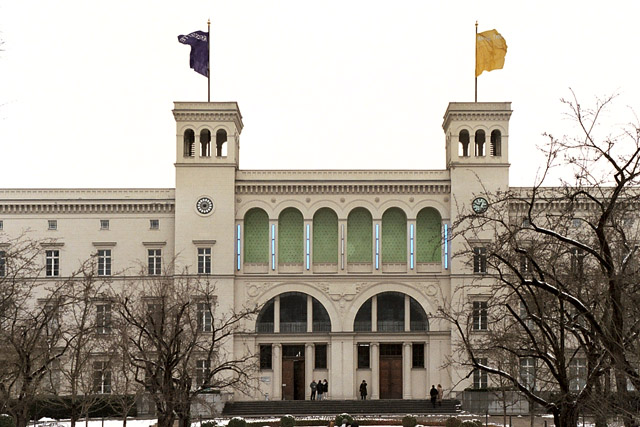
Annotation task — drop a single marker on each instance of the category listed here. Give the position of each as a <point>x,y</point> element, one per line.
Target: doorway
<point>390,371</point>
<point>293,382</point>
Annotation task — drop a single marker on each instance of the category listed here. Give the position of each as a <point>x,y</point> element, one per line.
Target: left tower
<point>207,158</point>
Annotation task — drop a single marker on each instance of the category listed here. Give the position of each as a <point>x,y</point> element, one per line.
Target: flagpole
<point>209,61</point>
<point>476,64</point>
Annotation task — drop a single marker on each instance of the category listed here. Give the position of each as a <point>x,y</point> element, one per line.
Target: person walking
<point>363,390</point>
<point>440,395</point>
<point>325,389</point>
<point>320,389</point>
<point>314,387</point>
<point>434,395</point>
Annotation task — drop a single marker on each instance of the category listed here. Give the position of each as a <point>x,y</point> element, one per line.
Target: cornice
<point>63,207</point>
<point>339,189</point>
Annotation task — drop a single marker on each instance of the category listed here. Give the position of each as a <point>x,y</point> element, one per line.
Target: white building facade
<point>349,266</point>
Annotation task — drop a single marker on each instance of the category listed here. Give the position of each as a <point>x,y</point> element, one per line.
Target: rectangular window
<point>53,224</point>
<point>3,263</point>
<point>204,260</point>
<point>525,264</point>
<point>238,252</point>
<point>155,261</point>
<point>154,224</point>
<point>480,260</point>
<point>103,318</point>
<point>577,374</point>
<point>528,372</point>
<point>1,224</point>
<point>363,356</point>
<point>446,246</point>
<point>417,355</point>
<point>266,359</point>
<point>308,247</point>
<point>52,266</point>
<point>104,262</point>
<point>273,246</point>
<point>577,261</point>
<point>52,315</point>
<point>480,315</point>
<point>204,317</point>
<point>101,378</point>
<point>104,224</point>
<point>411,245</point>
<point>320,356</point>
<point>480,376</point>
<point>377,246</point>
<point>154,315</point>
<point>203,368</point>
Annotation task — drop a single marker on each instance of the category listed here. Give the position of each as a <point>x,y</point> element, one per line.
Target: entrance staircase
<point>276,408</point>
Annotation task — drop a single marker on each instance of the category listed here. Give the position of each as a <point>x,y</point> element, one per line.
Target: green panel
<point>428,237</point>
<point>394,236</point>
<point>325,236</point>
<point>359,236</point>
<point>290,236</point>
<point>256,236</point>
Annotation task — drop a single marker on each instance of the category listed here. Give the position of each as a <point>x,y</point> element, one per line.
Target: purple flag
<point>199,58</point>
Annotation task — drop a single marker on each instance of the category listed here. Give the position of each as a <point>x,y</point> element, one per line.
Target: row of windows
<point>189,140</point>
<point>52,224</point>
<point>479,143</point>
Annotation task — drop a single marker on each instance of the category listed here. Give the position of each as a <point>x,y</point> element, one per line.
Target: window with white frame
<point>104,224</point>
<point>52,316</point>
<point>203,368</point>
<point>3,263</point>
<point>577,373</point>
<point>52,224</point>
<point>52,264</point>
<point>479,316</point>
<point>1,225</point>
<point>204,260</point>
<point>204,317</point>
<point>480,376</point>
<point>103,318</point>
<point>104,262</point>
<point>154,224</point>
<point>528,372</point>
<point>480,260</point>
<point>154,261</point>
<point>101,378</point>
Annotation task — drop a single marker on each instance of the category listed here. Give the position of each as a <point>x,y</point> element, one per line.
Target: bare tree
<point>563,262</point>
<point>180,342</point>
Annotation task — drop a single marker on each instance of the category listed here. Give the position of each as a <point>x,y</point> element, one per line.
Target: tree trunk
<point>22,415</point>
<point>166,419</point>
<point>566,415</point>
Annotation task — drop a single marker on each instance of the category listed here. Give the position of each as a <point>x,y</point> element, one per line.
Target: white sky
<point>86,87</point>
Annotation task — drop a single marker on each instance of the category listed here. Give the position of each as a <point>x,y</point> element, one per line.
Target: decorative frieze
<point>53,207</point>
<point>339,189</point>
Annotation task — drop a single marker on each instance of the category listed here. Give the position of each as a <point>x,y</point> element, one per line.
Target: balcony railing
<point>294,327</point>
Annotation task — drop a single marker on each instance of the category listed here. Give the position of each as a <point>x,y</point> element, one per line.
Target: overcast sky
<point>86,87</point>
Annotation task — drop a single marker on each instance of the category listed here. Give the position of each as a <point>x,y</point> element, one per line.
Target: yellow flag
<point>491,49</point>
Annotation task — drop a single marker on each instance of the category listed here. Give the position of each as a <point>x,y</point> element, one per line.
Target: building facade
<point>349,266</point>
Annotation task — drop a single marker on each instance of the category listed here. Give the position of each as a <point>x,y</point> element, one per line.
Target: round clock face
<point>479,205</point>
<point>204,205</point>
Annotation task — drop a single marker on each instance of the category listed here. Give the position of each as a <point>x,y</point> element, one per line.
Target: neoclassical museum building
<point>349,266</point>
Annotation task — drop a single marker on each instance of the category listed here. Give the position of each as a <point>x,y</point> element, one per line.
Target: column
<point>276,315</point>
<point>277,371</point>
<point>374,314</point>
<point>407,313</point>
<point>308,369</point>
<point>375,371</point>
<point>406,370</point>
<point>309,313</point>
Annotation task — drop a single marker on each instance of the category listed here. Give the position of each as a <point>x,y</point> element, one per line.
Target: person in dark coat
<point>363,390</point>
<point>320,389</point>
<point>434,395</point>
<point>314,387</point>
<point>325,388</point>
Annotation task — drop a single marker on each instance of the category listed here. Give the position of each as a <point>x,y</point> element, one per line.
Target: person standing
<point>434,395</point>
<point>314,387</point>
<point>440,394</point>
<point>363,390</point>
<point>325,389</point>
<point>320,389</point>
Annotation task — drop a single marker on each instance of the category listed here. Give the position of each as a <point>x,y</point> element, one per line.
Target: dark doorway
<point>293,387</point>
<point>390,371</point>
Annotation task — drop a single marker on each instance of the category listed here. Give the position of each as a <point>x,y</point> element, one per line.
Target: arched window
<point>359,236</point>
<point>189,143</point>
<point>496,143</point>
<point>325,237</point>
<point>205,143</point>
<point>428,236</point>
<point>221,147</point>
<point>394,236</point>
<point>290,237</point>
<point>256,237</point>
<point>464,143</point>
<point>480,138</point>
<point>390,314</point>
<point>292,309</point>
